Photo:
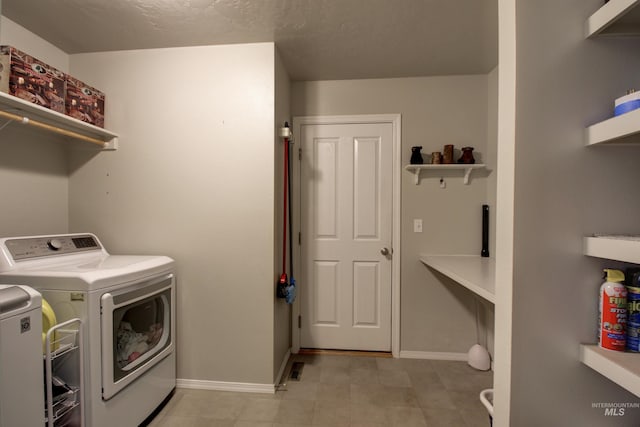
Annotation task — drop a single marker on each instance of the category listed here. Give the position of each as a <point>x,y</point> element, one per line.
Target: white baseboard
<point>237,387</point>
<point>433,355</point>
<point>225,386</point>
<point>283,366</point>
<point>271,388</point>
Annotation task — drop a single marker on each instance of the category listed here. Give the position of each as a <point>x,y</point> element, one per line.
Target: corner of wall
<point>505,209</point>
<point>282,311</point>
<point>15,35</point>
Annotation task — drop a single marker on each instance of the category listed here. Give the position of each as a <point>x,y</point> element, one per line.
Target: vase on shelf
<point>416,156</point>
<point>467,156</point>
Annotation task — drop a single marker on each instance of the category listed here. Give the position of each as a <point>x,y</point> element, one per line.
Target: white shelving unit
<point>621,129</point>
<point>617,17</point>
<point>63,124</point>
<point>417,169</point>
<point>619,248</point>
<point>621,368</point>
<point>476,273</point>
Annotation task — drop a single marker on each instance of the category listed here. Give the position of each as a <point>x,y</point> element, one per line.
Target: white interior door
<point>346,225</point>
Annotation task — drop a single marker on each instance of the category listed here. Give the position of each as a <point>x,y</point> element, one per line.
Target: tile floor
<point>349,391</point>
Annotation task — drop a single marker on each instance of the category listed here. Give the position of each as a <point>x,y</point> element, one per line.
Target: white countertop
<point>476,273</point>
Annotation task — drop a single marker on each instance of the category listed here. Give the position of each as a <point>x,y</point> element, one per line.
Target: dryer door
<point>138,330</point>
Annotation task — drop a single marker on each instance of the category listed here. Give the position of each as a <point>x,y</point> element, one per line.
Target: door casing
<point>396,121</point>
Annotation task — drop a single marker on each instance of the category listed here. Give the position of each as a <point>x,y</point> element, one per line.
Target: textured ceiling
<point>317,39</point>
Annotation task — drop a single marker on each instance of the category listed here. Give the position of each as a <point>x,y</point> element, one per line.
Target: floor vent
<point>296,371</point>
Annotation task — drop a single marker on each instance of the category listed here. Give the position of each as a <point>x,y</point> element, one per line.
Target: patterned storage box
<point>26,77</point>
<point>84,102</point>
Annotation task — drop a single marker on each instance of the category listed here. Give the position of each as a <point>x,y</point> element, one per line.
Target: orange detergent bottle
<point>613,311</point>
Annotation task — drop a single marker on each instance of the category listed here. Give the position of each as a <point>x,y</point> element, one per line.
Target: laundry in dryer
<point>132,344</point>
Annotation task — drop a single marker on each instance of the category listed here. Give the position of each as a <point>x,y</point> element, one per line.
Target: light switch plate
<point>417,226</point>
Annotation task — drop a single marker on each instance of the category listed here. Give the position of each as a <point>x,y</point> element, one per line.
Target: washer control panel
<point>36,247</point>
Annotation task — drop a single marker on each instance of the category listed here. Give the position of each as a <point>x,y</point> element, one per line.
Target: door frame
<point>396,122</point>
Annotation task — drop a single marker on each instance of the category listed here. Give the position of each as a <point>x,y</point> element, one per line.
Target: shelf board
<point>618,17</point>
<point>417,169</point>
<point>624,129</point>
<point>476,273</point>
<point>613,248</point>
<point>12,104</point>
<point>620,367</point>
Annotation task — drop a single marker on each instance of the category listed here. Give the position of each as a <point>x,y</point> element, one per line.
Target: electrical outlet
<point>417,226</point>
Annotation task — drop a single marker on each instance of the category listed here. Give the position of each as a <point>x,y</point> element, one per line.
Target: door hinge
<point>299,238</point>
<point>299,153</point>
<point>299,321</point>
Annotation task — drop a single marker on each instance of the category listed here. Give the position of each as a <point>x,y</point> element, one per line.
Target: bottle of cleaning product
<point>612,311</point>
<point>633,309</point>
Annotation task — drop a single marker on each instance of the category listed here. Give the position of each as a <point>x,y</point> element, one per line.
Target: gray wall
<point>34,190</point>
<point>564,191</point>
<point>33,165</point>
<point>193,179</point>
<point>435,111</point>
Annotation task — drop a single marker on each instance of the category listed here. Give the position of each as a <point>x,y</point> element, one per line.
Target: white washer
<point>22,383</point>
<point>127,306</point>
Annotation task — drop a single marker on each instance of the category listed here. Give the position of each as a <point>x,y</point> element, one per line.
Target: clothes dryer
<point>127,307</point>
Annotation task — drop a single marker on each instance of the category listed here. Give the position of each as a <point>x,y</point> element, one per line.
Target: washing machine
<point>126,304</point>
<point>22,383</point>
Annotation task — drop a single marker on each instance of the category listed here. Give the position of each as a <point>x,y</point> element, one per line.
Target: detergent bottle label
<point>633,319</point>
<point>613,317</point>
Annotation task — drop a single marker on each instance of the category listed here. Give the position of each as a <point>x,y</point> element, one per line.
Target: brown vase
<point>447,156</point>
<point>467,156</point>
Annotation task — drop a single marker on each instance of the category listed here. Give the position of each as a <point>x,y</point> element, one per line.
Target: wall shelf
<point>618,248</point>
<point>417,169</point>
<point>620,129</point>
<point>620,367</point>
<point>476,273</point>
<point>618,17</point>
<point>55,122</point>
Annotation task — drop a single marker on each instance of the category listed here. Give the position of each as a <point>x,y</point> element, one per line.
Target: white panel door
<point>346,225</point>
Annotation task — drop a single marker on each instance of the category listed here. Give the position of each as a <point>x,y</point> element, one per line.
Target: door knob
<point>384,251</point>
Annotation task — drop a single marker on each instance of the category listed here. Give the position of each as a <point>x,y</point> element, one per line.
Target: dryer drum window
<point>140,330</point>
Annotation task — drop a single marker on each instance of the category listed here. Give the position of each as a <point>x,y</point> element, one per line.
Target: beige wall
<point>435,111</point>
<point>17,36</point>
<point>194,179</point>
<point>33,165</point>
<point>564,191</point>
